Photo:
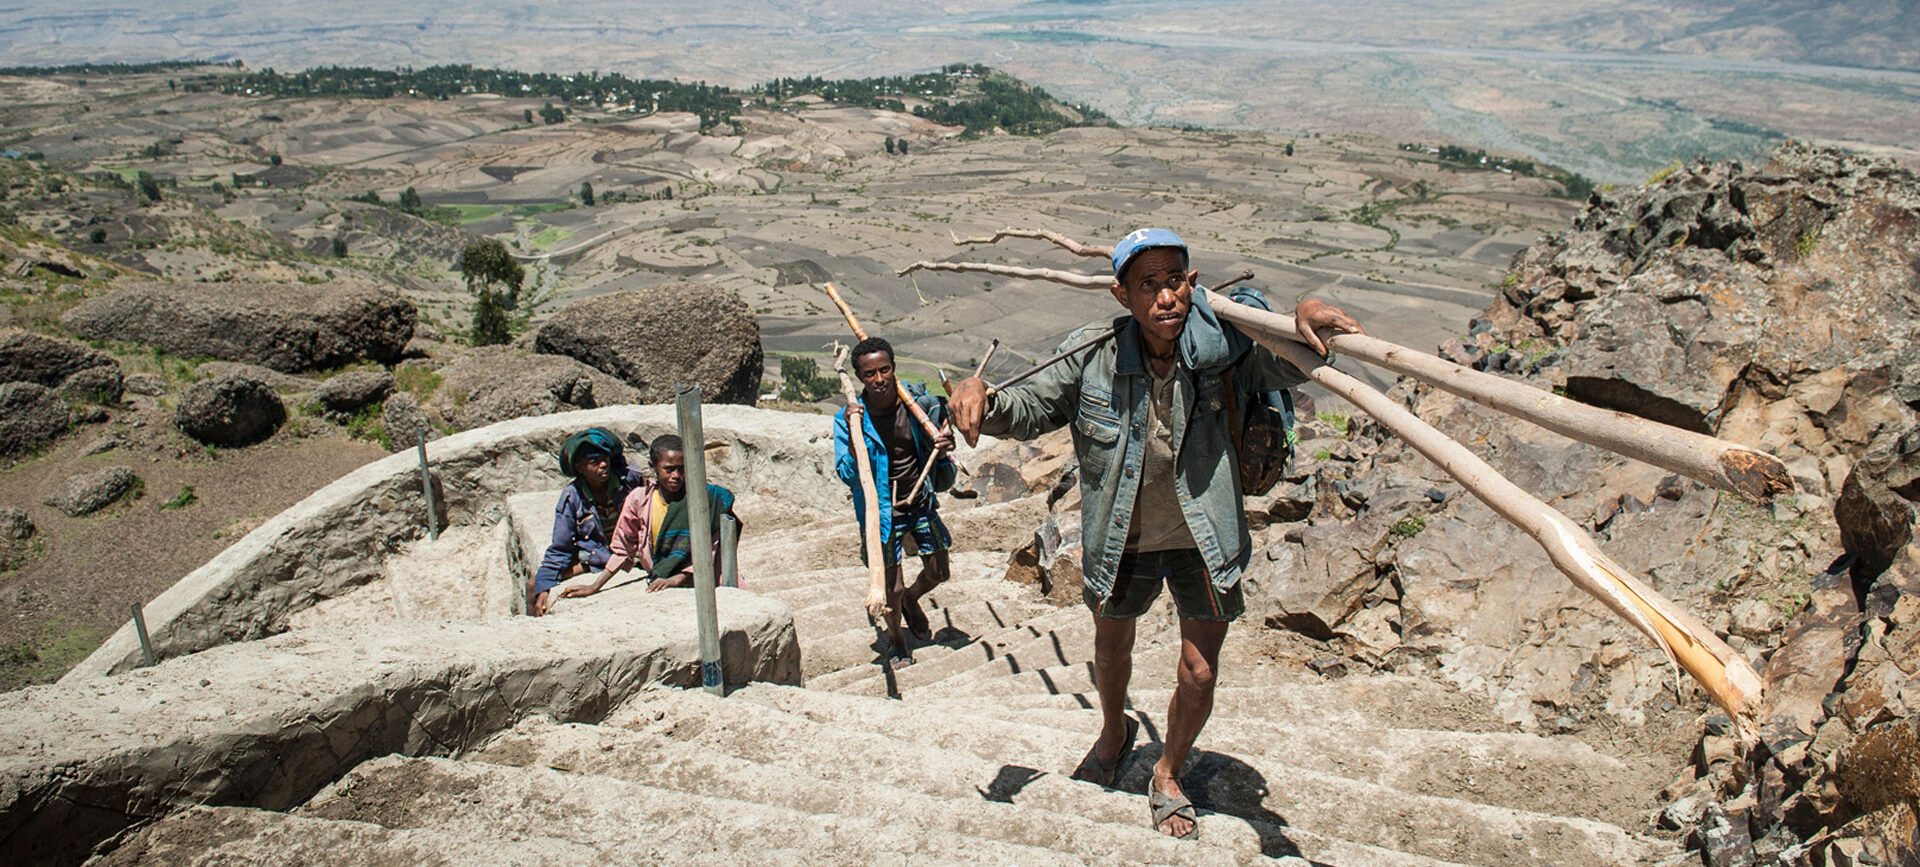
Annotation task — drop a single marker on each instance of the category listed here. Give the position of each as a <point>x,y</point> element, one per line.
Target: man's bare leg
<point>896,639</point>
<point>1112,671</point>
<point>1187,714</point>
<point>934,571</point>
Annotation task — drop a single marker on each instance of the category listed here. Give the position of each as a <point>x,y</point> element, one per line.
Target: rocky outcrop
<point>71,367</point>
<point>30,414</point>
<point>347,393</point>
<point>496,383</point>
<point>15,525</point>
<point>288,327</point>
<point>233,410</point>
<point>90,492</point>
<point>1774,307</point>
<point>1700,299</point>
<point>656,337</point>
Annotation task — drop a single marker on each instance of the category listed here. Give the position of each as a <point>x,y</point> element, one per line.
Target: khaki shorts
<point>1183,571</point>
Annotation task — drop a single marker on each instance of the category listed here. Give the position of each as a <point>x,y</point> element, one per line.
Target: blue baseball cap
<point>1141,240</point>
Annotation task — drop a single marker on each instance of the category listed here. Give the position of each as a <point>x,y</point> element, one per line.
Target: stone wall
<point>335,540</point>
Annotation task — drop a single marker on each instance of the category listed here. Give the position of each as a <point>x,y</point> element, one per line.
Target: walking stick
<point>869,492</point>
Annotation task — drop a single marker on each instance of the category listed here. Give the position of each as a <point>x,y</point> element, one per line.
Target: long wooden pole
<point>919,415</point>
<point>1752,475</point>
<point>1728,679</point>
<point>869,492</point>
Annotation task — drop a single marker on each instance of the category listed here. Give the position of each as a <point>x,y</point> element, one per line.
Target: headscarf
<point>594,441</point>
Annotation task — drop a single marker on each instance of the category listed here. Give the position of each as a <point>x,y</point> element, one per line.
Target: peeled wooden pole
<point>1752,475</point>
<point>1728,679</point>
<point>1749,474</point>
<point>919,415</point>
<point>869,492</point>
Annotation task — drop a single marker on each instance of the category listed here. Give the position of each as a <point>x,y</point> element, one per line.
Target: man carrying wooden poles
<point>907,467</point>
<point>1747,473</point>
<point>1161,498</point>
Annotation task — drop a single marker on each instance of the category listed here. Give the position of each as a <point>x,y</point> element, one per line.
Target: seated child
<point>585,514</point>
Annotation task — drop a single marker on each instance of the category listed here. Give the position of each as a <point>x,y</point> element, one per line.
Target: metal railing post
<point>700,527</point>
<point>729,551</point>
<point>140,629</point>
<point>426,486</point>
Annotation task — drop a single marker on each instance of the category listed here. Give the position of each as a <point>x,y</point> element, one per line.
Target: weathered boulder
<point>1877,505</point>
<point>101,384</point>
<point>233,410</point>
<point>30,414</point>
<point>405,422</point>
<point>149,384</point>
<point>654,337</point>
<point>54,362</point>
<point>288,327</point>
<point>90,492</point>
<point>14,524</point>
<point>1003,470</point>
<point>346,393</point>
<point>279,381</point>
<point>496,383</point>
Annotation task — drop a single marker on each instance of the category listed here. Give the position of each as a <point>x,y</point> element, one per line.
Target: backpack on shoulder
<point>1261,422</point>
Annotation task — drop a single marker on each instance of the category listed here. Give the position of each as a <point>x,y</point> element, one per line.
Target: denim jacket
<point>940,479</point>
<point>1103,393</point>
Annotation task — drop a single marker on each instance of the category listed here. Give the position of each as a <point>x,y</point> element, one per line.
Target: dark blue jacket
<point>578,535</point>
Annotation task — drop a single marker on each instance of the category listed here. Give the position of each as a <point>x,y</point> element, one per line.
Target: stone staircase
<point>963,757</point>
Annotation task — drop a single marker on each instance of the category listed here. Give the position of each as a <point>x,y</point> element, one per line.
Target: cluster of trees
<point>883,93</point>
<point>109,68</point>
<point>713,103</point>
<point>408,202</point>
<point>493,279</point>
<point>1572,184</point>
<point>1006,103</point>
<point>896,146</point>
<point>1003,101</point>
<point>801,382</point>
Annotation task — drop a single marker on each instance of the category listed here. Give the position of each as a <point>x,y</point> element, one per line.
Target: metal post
<point>729,551</point>
<point>426,485</point>
<point>140,629</point>
<point>699,526</point>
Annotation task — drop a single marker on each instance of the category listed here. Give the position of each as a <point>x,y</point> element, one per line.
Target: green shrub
<point>1408,527</point>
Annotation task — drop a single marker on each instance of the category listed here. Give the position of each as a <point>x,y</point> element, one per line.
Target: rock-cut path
<point>964,757</point>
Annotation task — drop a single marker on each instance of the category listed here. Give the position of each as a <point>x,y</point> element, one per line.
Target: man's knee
<point>1196,672</point>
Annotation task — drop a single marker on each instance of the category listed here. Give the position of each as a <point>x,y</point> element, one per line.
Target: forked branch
<point>1057,239</point>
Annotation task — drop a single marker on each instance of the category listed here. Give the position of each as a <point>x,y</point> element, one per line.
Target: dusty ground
<point>81,574</point>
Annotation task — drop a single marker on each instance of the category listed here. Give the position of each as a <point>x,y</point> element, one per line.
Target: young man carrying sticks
<point>908,466</point>
<point>1159,483</point>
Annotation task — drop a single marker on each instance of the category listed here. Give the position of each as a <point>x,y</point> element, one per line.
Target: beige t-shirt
<point>1158,524</point>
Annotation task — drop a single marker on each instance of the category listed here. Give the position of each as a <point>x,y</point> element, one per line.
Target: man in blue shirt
<point>899,449</point>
